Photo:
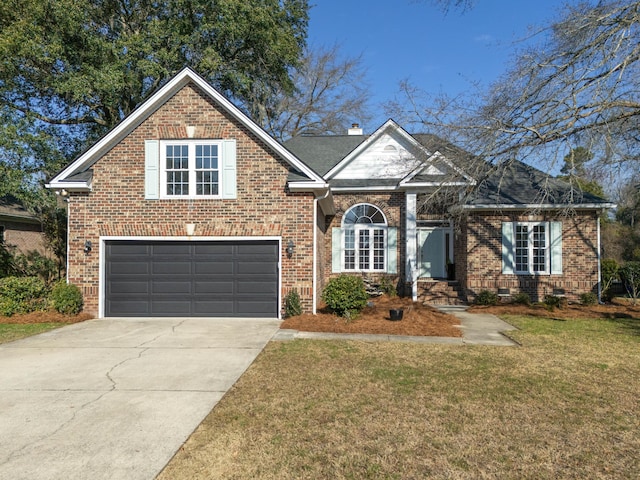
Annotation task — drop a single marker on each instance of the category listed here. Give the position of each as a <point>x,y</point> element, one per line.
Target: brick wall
<point>392,205</point>
<point>480,253</point>
<point>117,207</point>
<point>23,237</point>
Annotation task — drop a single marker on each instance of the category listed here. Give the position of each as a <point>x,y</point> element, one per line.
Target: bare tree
<point>579,86</point>
<point>329,94</point>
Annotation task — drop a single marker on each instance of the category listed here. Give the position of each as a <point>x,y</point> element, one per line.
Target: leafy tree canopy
<point>71,69</point>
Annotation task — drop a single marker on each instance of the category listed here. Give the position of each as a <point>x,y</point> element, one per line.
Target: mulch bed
<point>45,317</point>
<point>418,320</point>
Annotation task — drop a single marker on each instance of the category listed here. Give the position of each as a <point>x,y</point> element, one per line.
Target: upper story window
<point>190,169</point>
<point>364,239</point>
<point>1,234</point>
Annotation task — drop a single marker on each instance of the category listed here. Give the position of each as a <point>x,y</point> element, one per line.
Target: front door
<point>434,248</point>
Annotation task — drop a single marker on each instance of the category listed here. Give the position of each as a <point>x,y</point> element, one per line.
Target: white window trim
<point>530,247</point>
<point>357,229</point>
<point>192,168</point>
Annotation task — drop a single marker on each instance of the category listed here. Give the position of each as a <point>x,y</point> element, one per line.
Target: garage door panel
<point>223,308</point>
<point>250,288</point>
<point>210,278</point>
<point>214,288</point>
<point>255,309</point>
<point>130,268</point>
<point>168,308</point>
<point>130,287</point>
<point>172,249</point>
<point>171,287</point>
<point>208,267</point>
<point>127,308</point>
<point>218,249</point>
<point>129,249</point>
<point>253,268</point>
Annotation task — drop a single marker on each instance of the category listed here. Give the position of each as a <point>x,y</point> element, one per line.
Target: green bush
<point>292,305</point>
<point>34,264</point>
<point>553,301</point>
<point>345,295</point>
<point>486,297</point>
<point>589,298</point>
<point>387,286</point>
<point>22,295</point>
<point>66,298</point>
<point>522,298</point>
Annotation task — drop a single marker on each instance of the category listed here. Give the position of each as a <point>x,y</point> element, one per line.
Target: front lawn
<point>564,405</point>
<point>15,331</point>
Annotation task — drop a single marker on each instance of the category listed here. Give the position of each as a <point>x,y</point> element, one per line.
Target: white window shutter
<point>151,169</point>
<point>508,248</point>
<point>228,181</point>
<point>336,250</point>
<point>392,250</point>
<point>555,240</point>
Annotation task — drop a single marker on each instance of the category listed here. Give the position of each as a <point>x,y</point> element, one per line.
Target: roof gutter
<point>538,206</point>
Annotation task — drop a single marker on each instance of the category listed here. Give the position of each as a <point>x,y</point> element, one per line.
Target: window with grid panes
<point>365,231</point>
<point>190,169</point>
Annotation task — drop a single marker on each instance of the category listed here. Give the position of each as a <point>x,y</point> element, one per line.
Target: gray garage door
<point>197,279</point>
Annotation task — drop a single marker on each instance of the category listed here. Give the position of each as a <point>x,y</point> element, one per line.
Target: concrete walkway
<point>116,398</point>
<point>477,329</point>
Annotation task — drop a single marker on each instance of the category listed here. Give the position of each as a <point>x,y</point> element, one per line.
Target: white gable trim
<point>388,125</point>
<point>437,156</point>
<point>158,99</point>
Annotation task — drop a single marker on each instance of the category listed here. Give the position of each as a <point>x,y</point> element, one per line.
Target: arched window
<point>364,243</point>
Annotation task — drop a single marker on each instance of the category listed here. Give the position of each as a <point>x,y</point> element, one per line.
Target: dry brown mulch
<point>617,309</point>
<point>418,320</point>
<point>45,317</point>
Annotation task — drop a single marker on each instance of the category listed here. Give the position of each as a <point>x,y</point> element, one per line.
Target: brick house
<point>187,207</point>
<point>20,231</point>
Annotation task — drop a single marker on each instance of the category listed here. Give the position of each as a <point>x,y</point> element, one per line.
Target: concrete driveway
<point>116,398</point>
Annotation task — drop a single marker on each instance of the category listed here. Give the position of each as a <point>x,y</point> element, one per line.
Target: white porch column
<point>411,262</point>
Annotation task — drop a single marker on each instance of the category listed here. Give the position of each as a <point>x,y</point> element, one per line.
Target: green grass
<point>564,405</point>
<point>11,332</point>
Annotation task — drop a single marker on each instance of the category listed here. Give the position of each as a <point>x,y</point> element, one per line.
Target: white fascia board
<point>308,186</point>
<point>419,185</point>
<point>538,206</point>
<point>389,124</point>
<point>386,188</point>
<point>156,101</point>
<point>71,186</point>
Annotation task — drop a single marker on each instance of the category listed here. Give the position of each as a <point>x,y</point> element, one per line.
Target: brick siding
<point>23,237</point>
<point>479,256</point>
<point>393,205</point>
<point>116,206</point>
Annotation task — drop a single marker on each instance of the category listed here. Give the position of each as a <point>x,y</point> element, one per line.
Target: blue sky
<point>414,40</point>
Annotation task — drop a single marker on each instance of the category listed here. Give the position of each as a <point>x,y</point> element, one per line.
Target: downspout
<point>315,255</point>
<point>599,265</point>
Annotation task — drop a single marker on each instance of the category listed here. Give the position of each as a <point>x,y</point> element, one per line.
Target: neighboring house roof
<point>12,209</point>
<point>77,176</point>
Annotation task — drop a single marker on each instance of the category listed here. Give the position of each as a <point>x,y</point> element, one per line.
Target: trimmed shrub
<point>345,295</point>
<point>589,298</point>
<point>522,298</point>
<point>486,297</point>
<point>292,307</point>
<point>22,295</point>
<point>553,301</point>
<point>66,298</point>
